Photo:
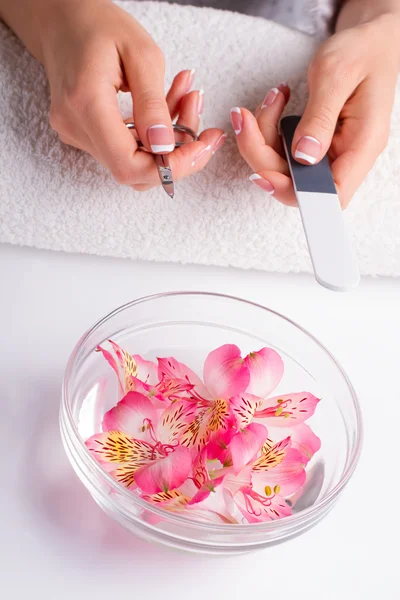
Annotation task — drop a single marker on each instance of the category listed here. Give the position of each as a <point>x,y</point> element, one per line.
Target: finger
<point>277,185</point>
<point>330,87</point>
<point>363,135</point>
<point>112,144</point>
<point>282,87</point>
<point>184,161</point>
<point>268,118</point>
<point>145,75</point>
<point>252,145</point>
<point>191,109</point>
<point>179,88</point>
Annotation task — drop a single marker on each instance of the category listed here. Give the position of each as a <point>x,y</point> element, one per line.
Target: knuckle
<point>326,62</point>
<point>151,104</point>
<point>151,53</point>
<point>333,68</point>
<point>145,56</point>
<point>324,119</point>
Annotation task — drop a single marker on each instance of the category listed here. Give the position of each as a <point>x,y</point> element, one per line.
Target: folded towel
<point>55,197</point>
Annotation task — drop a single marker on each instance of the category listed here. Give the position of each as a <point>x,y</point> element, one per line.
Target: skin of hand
<point>91,49</point>
<point>352,81</point>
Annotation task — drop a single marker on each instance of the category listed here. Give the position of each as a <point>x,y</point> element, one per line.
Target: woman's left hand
<point>352,81</point>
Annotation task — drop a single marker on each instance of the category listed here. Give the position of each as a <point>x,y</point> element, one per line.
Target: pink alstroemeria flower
<point>226,375</point>
<point>141,448</point>
<point>199,495</point>
<point>136,374</point>
<point>260,487</point>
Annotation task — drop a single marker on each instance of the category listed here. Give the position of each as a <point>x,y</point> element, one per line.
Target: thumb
<point>145,75</point>
<point>314,133</point>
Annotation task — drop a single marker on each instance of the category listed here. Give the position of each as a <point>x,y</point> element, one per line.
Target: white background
<point>55,543</point>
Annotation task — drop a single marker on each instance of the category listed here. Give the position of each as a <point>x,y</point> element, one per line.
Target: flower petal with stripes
<point>244,407</point>
<point>117,447</point>
<point>288,410</point>
<point>174,421</point>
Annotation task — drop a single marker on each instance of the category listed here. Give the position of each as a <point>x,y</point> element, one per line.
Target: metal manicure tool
<point>161,160</point>
<point>334,263</point>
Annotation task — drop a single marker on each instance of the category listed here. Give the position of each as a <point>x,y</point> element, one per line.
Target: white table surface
<point>55,543</point>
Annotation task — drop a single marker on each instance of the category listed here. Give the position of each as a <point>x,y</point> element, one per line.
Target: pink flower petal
<point>174,421</point>
<point>246,444</point>
<point>113,364</point>
<point>208,424</point>
<point>146,370</point>
<point>127,364</point>
<point>305,440</point>
<point>257,508</point>
<point>234,482</point>
<point>152,393</point>
<point>225,374</point>
<point>280,465</point>
<point>217,448</point>
<point>116,448</point>
<point>166,473</point>
<point>288,410</point>
<point>170,369</point>
<point>266,371</point>
<point>217,507</point>
<point>175,388</point>
<point>172,500</point>
<point>134,415</point>
<point>243,408</point>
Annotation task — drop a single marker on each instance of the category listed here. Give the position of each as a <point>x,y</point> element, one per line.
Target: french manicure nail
<point>270,97</point>
<point>200,155</point>
<point>160,139</point>
<point>190,80</point>
<point>308,149</point>
<point>219,143</point>
<point>200,103</point>
<point>264,184</point>
<point>237,120</point>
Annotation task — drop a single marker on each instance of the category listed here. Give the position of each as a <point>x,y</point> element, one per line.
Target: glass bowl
<point>187,325</point>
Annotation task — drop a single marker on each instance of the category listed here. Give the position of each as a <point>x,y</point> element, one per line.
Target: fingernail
<point>308,149</point>
<point>264,184</point>
<point>190,80</point>
<point>237,119</point>
<point>220,141</point>
<point>270,97</point>
<point>200,155</point>
<point>160,139</point>
<point>200,103</point>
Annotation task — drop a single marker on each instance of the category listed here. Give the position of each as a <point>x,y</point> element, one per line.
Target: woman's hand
<point>352,81</point>
<point>91,49</point>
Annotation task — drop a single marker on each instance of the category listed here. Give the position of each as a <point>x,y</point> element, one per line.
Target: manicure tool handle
<point>334,263</point>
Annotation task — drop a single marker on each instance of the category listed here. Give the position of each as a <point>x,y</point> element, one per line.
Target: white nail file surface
<point>332,255</point>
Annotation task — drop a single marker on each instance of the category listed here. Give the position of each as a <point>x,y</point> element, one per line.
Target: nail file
<point>332,256</point>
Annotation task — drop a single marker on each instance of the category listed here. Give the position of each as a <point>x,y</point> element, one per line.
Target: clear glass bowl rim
<point>290,521</point>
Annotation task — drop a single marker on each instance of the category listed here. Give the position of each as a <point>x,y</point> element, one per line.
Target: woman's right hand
<point>91,49</point>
